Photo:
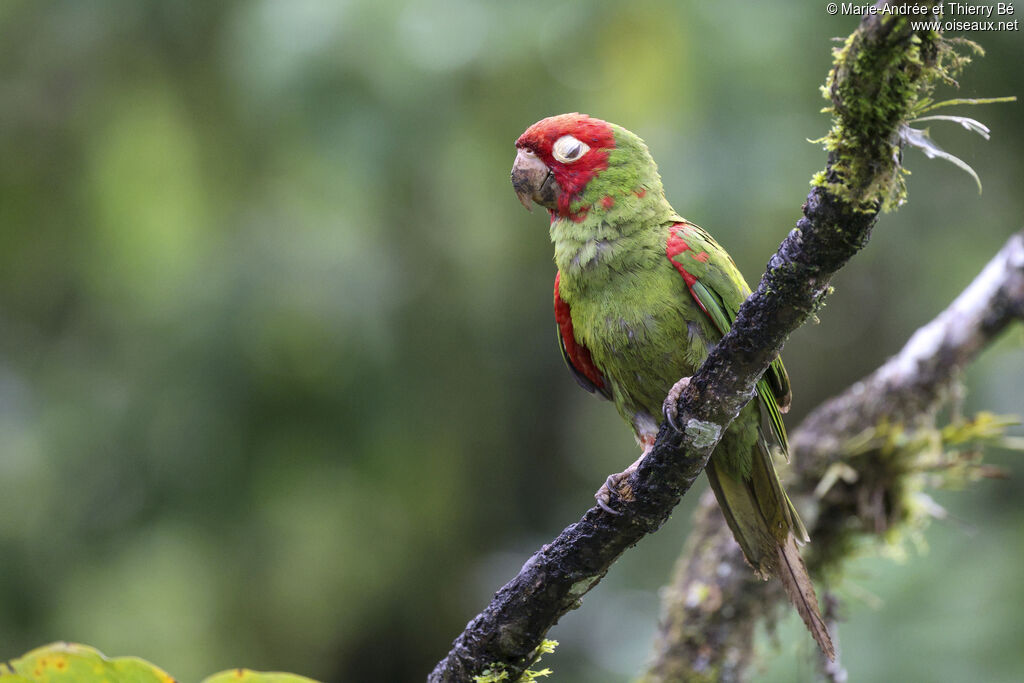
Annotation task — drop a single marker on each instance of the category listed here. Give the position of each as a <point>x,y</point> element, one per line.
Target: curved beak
<point>533,181</point>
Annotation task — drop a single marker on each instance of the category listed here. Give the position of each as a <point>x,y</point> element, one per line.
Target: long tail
<point>793,573</point>
<point>766,526</point>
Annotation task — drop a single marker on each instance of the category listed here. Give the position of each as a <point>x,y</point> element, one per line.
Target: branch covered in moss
<point>857,459</point>
<point>837,221</point>
<point>912,382</point>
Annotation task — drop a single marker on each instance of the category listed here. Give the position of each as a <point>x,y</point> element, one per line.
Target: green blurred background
<point>278,377</point>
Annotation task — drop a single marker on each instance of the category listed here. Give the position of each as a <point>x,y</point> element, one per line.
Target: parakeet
<point>641,295</point>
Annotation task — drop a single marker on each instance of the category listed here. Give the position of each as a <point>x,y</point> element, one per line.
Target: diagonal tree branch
<point>697,637</point>
<point>912,382</point>
<point>877,80</point>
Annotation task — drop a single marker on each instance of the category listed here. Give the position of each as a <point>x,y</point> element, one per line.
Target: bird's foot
<point>619,484</point>
<point>668,407</point>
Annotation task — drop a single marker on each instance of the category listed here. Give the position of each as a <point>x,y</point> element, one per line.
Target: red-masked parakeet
<point>641,294</point>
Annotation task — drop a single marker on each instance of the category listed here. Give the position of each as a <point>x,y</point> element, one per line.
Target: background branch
<point>876,81</point>
<point>713,604</point>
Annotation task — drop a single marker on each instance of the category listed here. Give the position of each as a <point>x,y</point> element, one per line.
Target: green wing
<point>720,289</point>
<point>775,378</point>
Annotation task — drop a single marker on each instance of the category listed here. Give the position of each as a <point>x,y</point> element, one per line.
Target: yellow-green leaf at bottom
<point>247,676</point>
<point>73,663</point>
<point>59,662</point>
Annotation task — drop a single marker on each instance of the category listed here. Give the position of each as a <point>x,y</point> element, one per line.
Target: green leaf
<point>247,676</point>
<point>73,663</point>
<point>931,106</point>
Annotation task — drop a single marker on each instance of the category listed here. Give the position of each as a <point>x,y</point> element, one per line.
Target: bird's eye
<point>568,149</point>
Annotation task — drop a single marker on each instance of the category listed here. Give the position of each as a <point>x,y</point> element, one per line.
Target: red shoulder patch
<point>577,354</point>
<point>675,246</point>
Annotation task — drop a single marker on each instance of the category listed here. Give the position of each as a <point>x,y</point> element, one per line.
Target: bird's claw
<point>615,483</point>
<point>604,495</point>
<point>668,407</point>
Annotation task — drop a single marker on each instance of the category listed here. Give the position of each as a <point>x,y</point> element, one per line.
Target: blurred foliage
<point>878,496</point>
<point>278,378</point>
<point>76,663</point>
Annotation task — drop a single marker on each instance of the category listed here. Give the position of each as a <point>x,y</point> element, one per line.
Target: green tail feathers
<point>767,527</point>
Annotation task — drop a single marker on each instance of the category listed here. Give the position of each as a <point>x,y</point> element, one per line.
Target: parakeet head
<point>572,164</point>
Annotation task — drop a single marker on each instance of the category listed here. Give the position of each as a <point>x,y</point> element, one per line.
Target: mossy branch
<point>858,461</point>
<point>884,63</point>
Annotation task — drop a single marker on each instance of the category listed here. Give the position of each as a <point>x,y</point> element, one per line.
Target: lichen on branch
<point>862,465</point>
<point>865,161</point>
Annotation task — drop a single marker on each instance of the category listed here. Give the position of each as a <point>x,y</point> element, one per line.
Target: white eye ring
<point>568,149</point>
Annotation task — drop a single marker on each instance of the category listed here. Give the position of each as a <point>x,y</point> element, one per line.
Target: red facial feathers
<point>571,178</point>
<point>577,354</point>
